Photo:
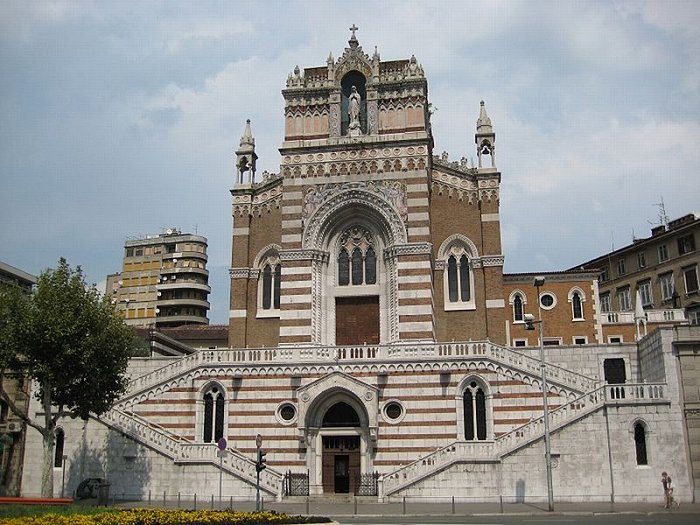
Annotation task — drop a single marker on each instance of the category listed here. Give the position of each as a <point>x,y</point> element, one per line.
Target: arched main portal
<point>341,453</point>
<point>339,425</point>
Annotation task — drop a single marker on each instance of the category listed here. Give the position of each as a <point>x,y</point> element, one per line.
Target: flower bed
<point>164,517</point>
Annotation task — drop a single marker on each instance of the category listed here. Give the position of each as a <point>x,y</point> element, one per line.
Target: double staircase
<point>585,395</point>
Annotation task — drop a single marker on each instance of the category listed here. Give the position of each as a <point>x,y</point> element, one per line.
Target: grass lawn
<point>84,515</point>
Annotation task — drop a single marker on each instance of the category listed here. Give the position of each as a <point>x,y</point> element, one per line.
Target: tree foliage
<point>70,342</point>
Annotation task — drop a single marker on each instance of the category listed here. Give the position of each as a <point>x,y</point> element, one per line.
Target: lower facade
<point>420,421</point>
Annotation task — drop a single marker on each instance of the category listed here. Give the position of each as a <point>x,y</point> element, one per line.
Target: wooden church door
<point>357,320</point>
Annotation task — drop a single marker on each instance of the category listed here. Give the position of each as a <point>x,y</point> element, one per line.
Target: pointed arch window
<point>458,279</point>
<point>518,308</point>
<point>269,285</point>
<point>640,443</point>
<point>474,400</point>
<point>213,414</point>
<point>576,306</point>
<point>357,260</point>
<point>59,445</point>
<point>576,298</point>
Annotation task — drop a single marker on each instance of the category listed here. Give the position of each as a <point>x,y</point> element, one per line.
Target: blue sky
<point>120,119</point>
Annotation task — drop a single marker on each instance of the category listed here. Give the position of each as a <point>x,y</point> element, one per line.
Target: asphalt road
<point>595,519</point>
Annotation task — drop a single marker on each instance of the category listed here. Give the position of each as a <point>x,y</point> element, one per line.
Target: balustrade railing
<point>508,442</point>
<point>183,450</point>
<point>383,353</point>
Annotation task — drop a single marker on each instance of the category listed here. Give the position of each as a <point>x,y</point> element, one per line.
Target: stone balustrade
<point>385,356</point>
<point>182,450</point>
<point>522,435</point>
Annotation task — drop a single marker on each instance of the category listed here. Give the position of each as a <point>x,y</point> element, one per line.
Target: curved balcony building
<point>164,280</point>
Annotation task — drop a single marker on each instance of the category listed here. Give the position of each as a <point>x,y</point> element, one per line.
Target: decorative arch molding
<point>317,397</point>
<point>517,291</point>
<point>460,239</point>
<point>323,219</point>
<point>578,290</point>
<point>636,421</point>
<point>265,252</point>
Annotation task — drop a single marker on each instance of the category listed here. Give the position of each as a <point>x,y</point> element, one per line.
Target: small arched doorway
<point>341,463</point>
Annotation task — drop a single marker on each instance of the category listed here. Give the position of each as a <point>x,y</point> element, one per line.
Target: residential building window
<point>640,443</point>
<point>621,267</point>
<point>693,315</point>
<point>605,302</point>
<point>551,341</point>
<point>519,342</point>
<point>59,445</point>
<point>645,293</point>
<point>517,308</point>
<point>214,404</point>
<point>604,274</point>
<point>663,253</point>
<point>667,286</point>
<point>623,299</point>
<point>690,276</point>
<point>576,305</point>
<point>686,244</point>
<point>474,400</point>
<point>641,260</point>
<point>357,260</point>
<point>614,339</point>
<point>583,340</point>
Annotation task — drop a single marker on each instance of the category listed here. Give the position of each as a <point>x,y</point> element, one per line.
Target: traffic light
<point>260,463</point>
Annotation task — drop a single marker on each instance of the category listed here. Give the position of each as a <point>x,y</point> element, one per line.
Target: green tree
<point>71,343</point>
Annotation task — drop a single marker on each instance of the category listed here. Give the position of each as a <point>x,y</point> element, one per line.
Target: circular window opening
<point>547,300</point>
<point>393,410</point>
<point>287,412</point>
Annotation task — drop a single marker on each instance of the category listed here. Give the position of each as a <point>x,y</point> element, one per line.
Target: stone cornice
<point>418,248</point>
<point>304,255</point>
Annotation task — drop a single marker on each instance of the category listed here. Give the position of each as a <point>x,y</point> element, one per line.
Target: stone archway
<point>338,424</point>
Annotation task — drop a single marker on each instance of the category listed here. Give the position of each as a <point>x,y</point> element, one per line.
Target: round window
<point>547,300</point>
<point>393,410</point>
<point>288,412</point>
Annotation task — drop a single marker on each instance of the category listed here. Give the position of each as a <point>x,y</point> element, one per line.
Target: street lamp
<point>529,325</point>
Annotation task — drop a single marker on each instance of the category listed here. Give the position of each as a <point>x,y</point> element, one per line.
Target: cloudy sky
<point>119,119</point>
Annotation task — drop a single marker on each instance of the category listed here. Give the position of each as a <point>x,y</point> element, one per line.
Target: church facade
<point>370,335</point>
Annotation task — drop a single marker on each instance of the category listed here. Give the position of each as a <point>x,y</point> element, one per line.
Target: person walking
<point>668,491</point>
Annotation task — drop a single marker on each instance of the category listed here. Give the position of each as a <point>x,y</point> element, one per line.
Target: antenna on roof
<point>663,218</point>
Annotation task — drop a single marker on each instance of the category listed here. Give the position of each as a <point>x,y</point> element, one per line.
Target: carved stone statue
<point>354,101</point>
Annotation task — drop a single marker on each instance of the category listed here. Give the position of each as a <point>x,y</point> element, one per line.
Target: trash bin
<point>103,493</point>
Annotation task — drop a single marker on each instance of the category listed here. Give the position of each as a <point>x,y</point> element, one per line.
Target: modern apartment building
<point>164,280</point>
<point>663,268</point>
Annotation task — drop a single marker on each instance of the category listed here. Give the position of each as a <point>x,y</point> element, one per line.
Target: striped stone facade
<point>417,208</point>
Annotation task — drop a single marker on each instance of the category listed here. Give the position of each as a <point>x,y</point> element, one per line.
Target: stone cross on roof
<point>353,29</point>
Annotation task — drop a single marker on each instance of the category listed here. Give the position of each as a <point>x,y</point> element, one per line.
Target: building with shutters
<point>370,334</point>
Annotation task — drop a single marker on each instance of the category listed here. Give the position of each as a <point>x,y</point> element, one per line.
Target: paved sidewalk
<point>337,509</point>
<point>346,507</point>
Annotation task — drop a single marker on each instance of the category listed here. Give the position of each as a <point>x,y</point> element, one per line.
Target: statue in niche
<point>354,101</point>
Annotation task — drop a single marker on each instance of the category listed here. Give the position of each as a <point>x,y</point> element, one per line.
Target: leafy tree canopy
<point>69,340</point>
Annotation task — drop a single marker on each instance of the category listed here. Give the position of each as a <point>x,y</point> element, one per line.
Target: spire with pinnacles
<point>246,157</point>
<point>485,138</point>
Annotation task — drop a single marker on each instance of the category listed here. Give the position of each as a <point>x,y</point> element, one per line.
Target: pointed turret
<point>245,156</point>
<point>485,138</point>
